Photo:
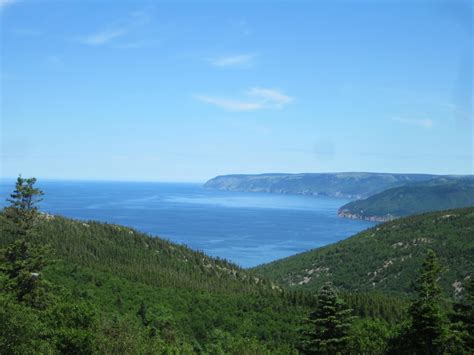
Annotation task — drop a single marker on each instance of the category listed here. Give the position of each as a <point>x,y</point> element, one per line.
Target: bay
<point>246,228</point>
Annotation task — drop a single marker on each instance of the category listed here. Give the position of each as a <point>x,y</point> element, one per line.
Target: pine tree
<point>428,329</point>
<point>23,208</point>
<point>469,312</point>
<point>22,265</point>
<point>463,317</point>
<point>329,325</point>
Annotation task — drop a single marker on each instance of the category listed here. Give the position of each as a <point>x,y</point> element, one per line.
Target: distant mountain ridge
<point>433,195</point>
<point>352,185</point>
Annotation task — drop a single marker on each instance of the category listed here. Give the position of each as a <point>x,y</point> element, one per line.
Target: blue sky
<point>184,91</point>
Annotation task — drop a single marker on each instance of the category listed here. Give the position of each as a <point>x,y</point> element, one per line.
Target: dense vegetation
<point>433,195</point>
<point>347,185</point>
<point>385,257</point>
<point>85,287</point>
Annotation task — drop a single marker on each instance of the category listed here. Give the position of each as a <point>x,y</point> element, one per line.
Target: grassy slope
<point>436,195</point>
<point>386,257</point>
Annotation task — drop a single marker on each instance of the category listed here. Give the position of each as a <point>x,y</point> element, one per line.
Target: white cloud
<point>239,60</point>
<point>103,37</point>
<point>4,3</point>
<point>425,123</point>
<point>117,30</point>
<point>233,105</point>
<point>260,98</point>
<point>270,96</point>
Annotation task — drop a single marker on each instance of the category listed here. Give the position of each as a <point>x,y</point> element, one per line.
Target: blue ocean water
<point>246,228</point>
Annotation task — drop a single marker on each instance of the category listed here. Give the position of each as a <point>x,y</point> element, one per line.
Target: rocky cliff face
<point>350,215</point>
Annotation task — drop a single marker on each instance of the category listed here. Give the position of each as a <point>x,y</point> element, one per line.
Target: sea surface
<point>246,228</point>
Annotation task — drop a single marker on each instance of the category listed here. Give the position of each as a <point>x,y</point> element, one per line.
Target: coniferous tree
<point>428,329</point>
<point>23,208</point>
<point>21,262</point>
<point>469,312</point>
<point>22,265</point>
<point>329,325</point>
<point>463,317</point>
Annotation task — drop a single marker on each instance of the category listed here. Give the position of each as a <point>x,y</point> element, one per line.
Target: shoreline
<point>349,215</point>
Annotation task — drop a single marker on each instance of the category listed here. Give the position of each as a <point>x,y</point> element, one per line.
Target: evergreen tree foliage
<point>463,315</point>
<point>114,290</point>
<point>23,208</point>
<point>21,265</point>
<point>428,331</point>
<point>384,258</point>
<point>329,325</point>
<point>369,336</point>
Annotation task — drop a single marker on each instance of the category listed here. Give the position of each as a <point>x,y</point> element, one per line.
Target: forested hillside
<point>84,287</point>
<point>191,296</point>
<point>347,185</point>
<point>433,195</point>
<point>386,257</point>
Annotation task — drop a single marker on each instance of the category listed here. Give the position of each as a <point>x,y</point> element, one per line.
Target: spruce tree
<point>23,208</point>
<point>469,312</point>
<point>21,263</point>
<point>428,328</point>
<point>21,266</point>
<point>328,326</point>
<point>463,317</point>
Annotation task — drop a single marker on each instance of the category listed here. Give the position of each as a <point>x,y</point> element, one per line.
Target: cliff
<point>351,185</point>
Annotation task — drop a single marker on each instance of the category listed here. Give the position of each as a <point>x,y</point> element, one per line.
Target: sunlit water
<point>247,228</point>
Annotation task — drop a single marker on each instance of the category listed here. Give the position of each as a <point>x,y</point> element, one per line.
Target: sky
<point>184,91</point>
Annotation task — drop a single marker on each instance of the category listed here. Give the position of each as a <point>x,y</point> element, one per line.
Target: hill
<point>353,185</point>
<point>433,195</point>
<point>82,287</point>
<point>194,297</point>
<point>192,302</point>
<point>386,257</point>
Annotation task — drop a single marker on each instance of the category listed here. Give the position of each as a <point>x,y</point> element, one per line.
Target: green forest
<point>386,257</point>
<point>441,193</point>
<point>83,287</point>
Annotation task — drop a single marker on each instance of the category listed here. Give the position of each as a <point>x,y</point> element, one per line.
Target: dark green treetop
<point>463,315</point>
<point>329,324</point>
<point>428,331</point>
<point>23,208</point>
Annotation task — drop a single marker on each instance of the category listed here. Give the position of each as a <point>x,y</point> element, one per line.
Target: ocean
<point>245,228</point>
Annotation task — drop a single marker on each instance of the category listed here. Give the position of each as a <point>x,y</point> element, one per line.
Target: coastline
<point>347,214</point>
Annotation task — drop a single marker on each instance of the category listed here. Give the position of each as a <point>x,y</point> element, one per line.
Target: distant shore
<point>347,214</point>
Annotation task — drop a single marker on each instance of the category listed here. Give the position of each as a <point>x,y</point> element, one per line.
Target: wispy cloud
<point>270,97</point>
<point>229,104</point>
<point>4,3</point>
<point>105,36</point>
<point>425,123</point>
<point>117,30</point>
<point>239,60</point>
<point>258,98</point>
